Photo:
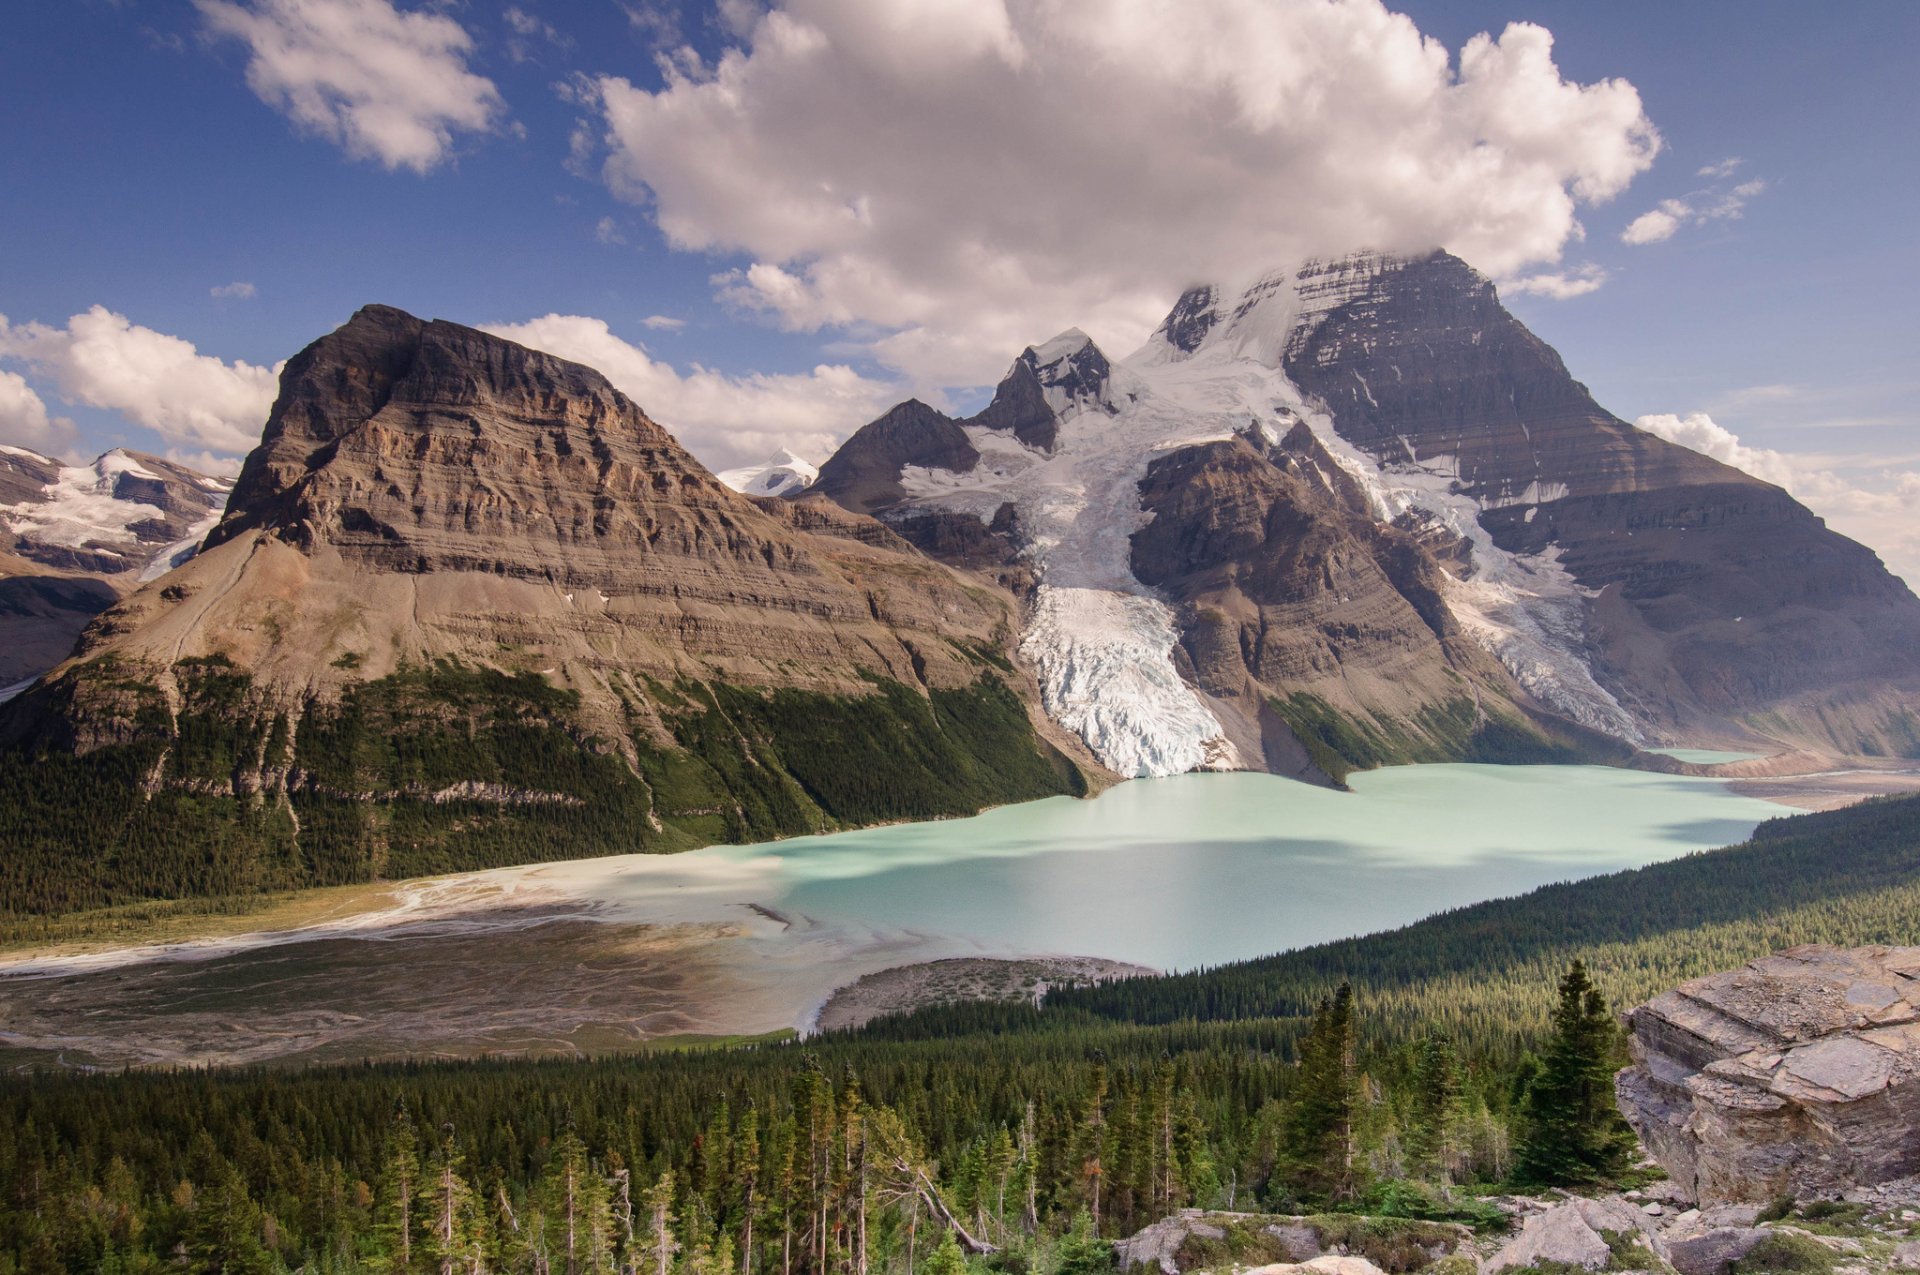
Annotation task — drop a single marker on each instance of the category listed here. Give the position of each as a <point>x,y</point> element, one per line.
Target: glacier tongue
<point>1104,659</point>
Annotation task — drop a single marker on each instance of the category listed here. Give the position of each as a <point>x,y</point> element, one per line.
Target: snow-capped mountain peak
<point>782,474</point>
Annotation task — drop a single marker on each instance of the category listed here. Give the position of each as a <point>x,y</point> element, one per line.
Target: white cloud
<point>382,83</point>
<point>1701,433</point>
<point>1873,500</point>
<point>154,380</point>
<point>1716,203</point>
<point>724,420</point>
<point>1558,285</point>
<point>663,323</point>
<point>968,177</point>
<point>607,231</point>
<point>238,290</point>
<point>1655,225</point>
<point>1720,170</point>
<point>25,421</point>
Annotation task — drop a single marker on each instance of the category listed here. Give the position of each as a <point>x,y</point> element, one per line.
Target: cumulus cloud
<point>1715,203</point>
<point>1557,285</point>
<point>965,178</point>
<point>25,421</point>
<point>162,382</point>
<point>239,290</point>
<point>725,420</point>
<point>382,83</point>
<point>1656,225</point>
<point>1875,501</point>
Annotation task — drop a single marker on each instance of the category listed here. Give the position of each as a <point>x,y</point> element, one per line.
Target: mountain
<point>467,606</point>
<point>1353,512</point>
<point>783,474</point>
<point>76,538</point>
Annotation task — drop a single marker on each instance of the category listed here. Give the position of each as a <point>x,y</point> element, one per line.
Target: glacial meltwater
<point>1199,869</point>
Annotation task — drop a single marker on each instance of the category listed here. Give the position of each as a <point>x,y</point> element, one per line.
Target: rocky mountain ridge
<point>1355,512</point>
<point>469,604</point>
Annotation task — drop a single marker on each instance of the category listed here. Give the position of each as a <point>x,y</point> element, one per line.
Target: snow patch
<point>79,508</point>
<point>783,474</point>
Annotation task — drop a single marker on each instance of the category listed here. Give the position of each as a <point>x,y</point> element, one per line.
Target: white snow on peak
<point>1261,318</point>
<point>30,455</point>
<point>1102,643</point>
<point>1050,353</point>
<point>783,474</point>
<point>79,510</point>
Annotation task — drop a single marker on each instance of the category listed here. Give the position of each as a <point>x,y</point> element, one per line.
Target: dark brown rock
<point>864,475</point>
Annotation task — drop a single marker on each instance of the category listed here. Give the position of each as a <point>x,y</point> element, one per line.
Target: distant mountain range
<point>468,605</point>
<point>74,539</point>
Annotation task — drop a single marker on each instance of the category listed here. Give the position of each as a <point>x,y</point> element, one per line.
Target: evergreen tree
<point>947,1259</point>
<point>1316,1155</point>
<point>1572,1133</point>
<point>1434,1120</point>
<point>227,1230</point>
<point>394,1198</point>
<point>659,1241</point>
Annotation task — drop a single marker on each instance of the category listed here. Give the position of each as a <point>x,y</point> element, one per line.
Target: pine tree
<point>1572,1132</point>
<point>1316,1154</point>
<point>1434,1119</point>
<point>225,1238</point>
<point>394,1198</point>
<point>453,1236</point>
<point>660,1242</point>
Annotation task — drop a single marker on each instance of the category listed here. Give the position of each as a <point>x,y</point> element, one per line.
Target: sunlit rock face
<point>1798,1075</point>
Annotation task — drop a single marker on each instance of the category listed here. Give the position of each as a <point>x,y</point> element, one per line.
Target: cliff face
<point>1722,603</point>
<point>448,549</point>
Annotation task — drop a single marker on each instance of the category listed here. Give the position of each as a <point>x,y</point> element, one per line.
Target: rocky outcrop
<point>1602,1234</point>
<point>1315,622</point>
<point>1193,1240</point>
<point>74,539</point>
<point>1798,1074</point>
<point>1043,383</point>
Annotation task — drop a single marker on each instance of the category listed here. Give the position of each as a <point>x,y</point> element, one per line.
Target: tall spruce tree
<point>1435,1111</point>
<point>1572,1133</point>
<point>1316,1160</point>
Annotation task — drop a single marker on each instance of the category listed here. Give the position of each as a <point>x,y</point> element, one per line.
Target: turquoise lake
<point>1200,869</point>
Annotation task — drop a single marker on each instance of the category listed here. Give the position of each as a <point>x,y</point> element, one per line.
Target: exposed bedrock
<point>1798,1074</point>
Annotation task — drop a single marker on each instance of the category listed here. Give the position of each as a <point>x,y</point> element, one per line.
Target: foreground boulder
<point>1278,1244</point>
<point>1795,1075</point>
<point>1588,1235</point>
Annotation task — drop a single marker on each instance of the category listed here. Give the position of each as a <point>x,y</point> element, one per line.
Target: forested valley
<point>1397,1076</point>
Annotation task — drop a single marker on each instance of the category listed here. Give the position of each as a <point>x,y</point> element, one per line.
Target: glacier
<point>1102,643</point>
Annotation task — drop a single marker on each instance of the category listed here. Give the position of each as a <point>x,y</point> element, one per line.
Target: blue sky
<point>151,161</point>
